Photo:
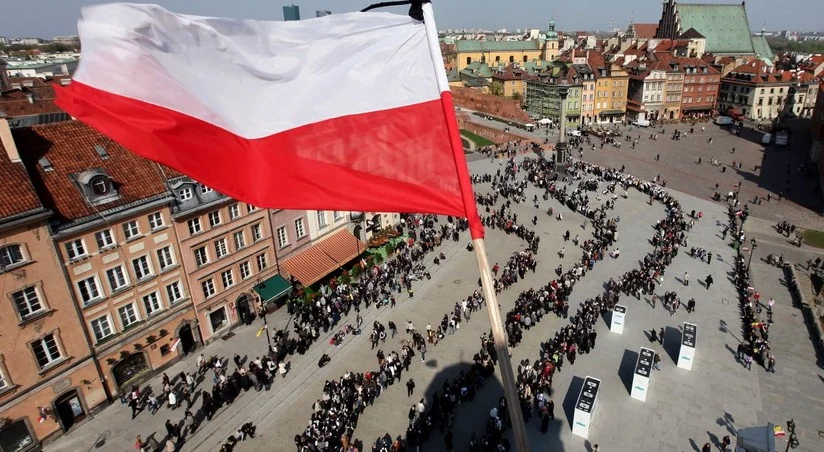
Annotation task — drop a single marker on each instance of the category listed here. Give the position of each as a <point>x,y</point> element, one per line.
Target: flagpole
<point>498,335</point>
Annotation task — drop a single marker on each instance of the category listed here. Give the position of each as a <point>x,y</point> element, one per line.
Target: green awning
<point>612,112</point>
<point>273,288</point>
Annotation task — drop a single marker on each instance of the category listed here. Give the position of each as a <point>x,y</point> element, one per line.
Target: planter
<point>124,354</point>
<point>163,333</point>
<point>111,361</point>
<point>150,339</point>
<point>138,347</point>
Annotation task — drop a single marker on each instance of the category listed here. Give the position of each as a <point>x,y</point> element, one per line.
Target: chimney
<point>5,84</point>
<point>8,141</point>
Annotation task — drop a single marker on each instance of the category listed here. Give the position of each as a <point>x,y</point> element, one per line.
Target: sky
<point>48,18</point>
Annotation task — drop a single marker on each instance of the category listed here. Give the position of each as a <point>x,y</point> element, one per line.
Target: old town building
<point>611,83</point>
<point>49,381</point>
<point>227,251</point>
<point>494,52</point>
<point>113,231</point>
<point>701,82</point>
<point>755,90</point>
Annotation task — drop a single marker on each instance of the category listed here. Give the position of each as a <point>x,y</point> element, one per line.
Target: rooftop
<point>17,194</point>
<point>69,148</point>
<point>466,45</point>
<point>725,26</point>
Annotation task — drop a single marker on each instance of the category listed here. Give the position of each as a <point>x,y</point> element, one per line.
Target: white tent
<point>545,121</point>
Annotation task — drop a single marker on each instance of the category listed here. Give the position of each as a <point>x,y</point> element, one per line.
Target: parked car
<point>641,123</point>
<point>574,133</point>
<point>766,139</point>
<point>723,120</point>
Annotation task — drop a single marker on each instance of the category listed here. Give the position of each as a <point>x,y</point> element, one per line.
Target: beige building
<point>46,365</point>
<point>113,231</point>
<point>227,251</point>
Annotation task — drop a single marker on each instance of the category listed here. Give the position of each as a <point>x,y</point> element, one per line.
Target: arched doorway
<point>244,309</point>
<point>129,368</point>
<point>187,339</point>
<point>69,409</point>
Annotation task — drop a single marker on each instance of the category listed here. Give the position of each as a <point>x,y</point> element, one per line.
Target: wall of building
<point>464,58</point>
<point>295,224</point>
<point>26,385</point>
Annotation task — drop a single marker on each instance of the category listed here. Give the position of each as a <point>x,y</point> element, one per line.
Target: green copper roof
<point>725,26</point>
<point>477,69</point>
<point>762,48</point>
<point>465,45</point>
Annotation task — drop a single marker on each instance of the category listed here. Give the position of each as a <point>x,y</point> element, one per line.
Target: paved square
<point>684,409</point>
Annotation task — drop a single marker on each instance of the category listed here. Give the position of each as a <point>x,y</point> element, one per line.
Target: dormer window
<point>97,186</point>
<point>100,185</point>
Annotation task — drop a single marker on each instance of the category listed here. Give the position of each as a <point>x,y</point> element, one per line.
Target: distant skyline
<point>48,18</point>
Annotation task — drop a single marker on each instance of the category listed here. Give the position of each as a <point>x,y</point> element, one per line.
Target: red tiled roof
<point>312,264</point>
<point>69,147</point>
<point>16,102</point>
<point>17,194</point>
<point>645,31</point>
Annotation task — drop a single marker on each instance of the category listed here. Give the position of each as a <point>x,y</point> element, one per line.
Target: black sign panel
<point>621,309</point>
<point>688,338</point>
<point>644,364</point>
<point>589,392</point>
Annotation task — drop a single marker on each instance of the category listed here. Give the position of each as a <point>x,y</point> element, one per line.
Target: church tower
<point>550,50</point>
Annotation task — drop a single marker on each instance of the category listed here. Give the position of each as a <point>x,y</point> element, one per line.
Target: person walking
<point>686,279</point>
<point>691,305</point>
<point>393,328</point>
<point>661,335</point>
<point>653,335</point>
<point>708,281</point>
<point>410,387</point>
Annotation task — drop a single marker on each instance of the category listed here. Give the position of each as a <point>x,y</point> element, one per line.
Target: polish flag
<point>344,112</point>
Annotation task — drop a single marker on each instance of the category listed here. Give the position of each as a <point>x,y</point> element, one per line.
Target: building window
<point>283,239</point>
<point>152,303</point>
<point>75,249</point>
<point>214,218</point>
<point>468,60</point>
<point>245,270</point>
<point>46,350</point>
<point>102,328</point>
<point>337,215</point>
<point>165,257</point>
<point>234,211</point>
<point>228,278</point>
<point>174,292</point>
<point>208,288</point>
<point>220,248</point>
<point>512,58</point>
<point>261,262</point>
<point>321,219</point>
<point>201,256</point>
<point>155,221</point>
<point>194,226</point>
<point>250,208</point>
<point>89,290</point>
<point>105,239</point>
<point>131,230</point>
<point>204,189</point>
<point>184,194</point>
<point>299,229</point>
<point>11,255</point>
<point>240,240</point>
<point>142,267</point>
<point>128,315</point>
<point>27,302</point>
<point>257,233</point>
<point>117,278</point>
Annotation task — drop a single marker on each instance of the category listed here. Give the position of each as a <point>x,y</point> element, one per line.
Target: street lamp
<point>792,441</point>
<point>261,285</point>
<point>753,244</point>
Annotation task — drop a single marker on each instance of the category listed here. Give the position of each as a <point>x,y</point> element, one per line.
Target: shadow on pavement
<point>627,369</point>
<point>571,398</point>
<point>672,343</point>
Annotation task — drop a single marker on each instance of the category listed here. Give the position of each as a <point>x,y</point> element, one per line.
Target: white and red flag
<point>344,112</point>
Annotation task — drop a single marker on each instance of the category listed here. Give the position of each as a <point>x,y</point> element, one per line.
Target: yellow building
<point>611,83</point>
<point>495,52</point>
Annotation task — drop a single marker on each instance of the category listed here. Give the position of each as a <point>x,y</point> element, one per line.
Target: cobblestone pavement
<point>684,409</point>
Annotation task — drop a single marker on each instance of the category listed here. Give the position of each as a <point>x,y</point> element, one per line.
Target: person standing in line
<point>550,409</point>
<point>661,335</point>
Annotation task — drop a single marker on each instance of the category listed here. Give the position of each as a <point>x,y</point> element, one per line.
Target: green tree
<point>496,88</point>
<point>516,96</point>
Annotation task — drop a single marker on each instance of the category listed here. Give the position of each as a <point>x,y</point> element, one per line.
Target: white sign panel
<point>585,407</point>
<point>618,315</point>
<point>643,370</point>
<point>687,353</point>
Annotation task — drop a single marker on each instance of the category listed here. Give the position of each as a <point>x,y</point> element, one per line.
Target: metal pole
<point>499,337</point>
